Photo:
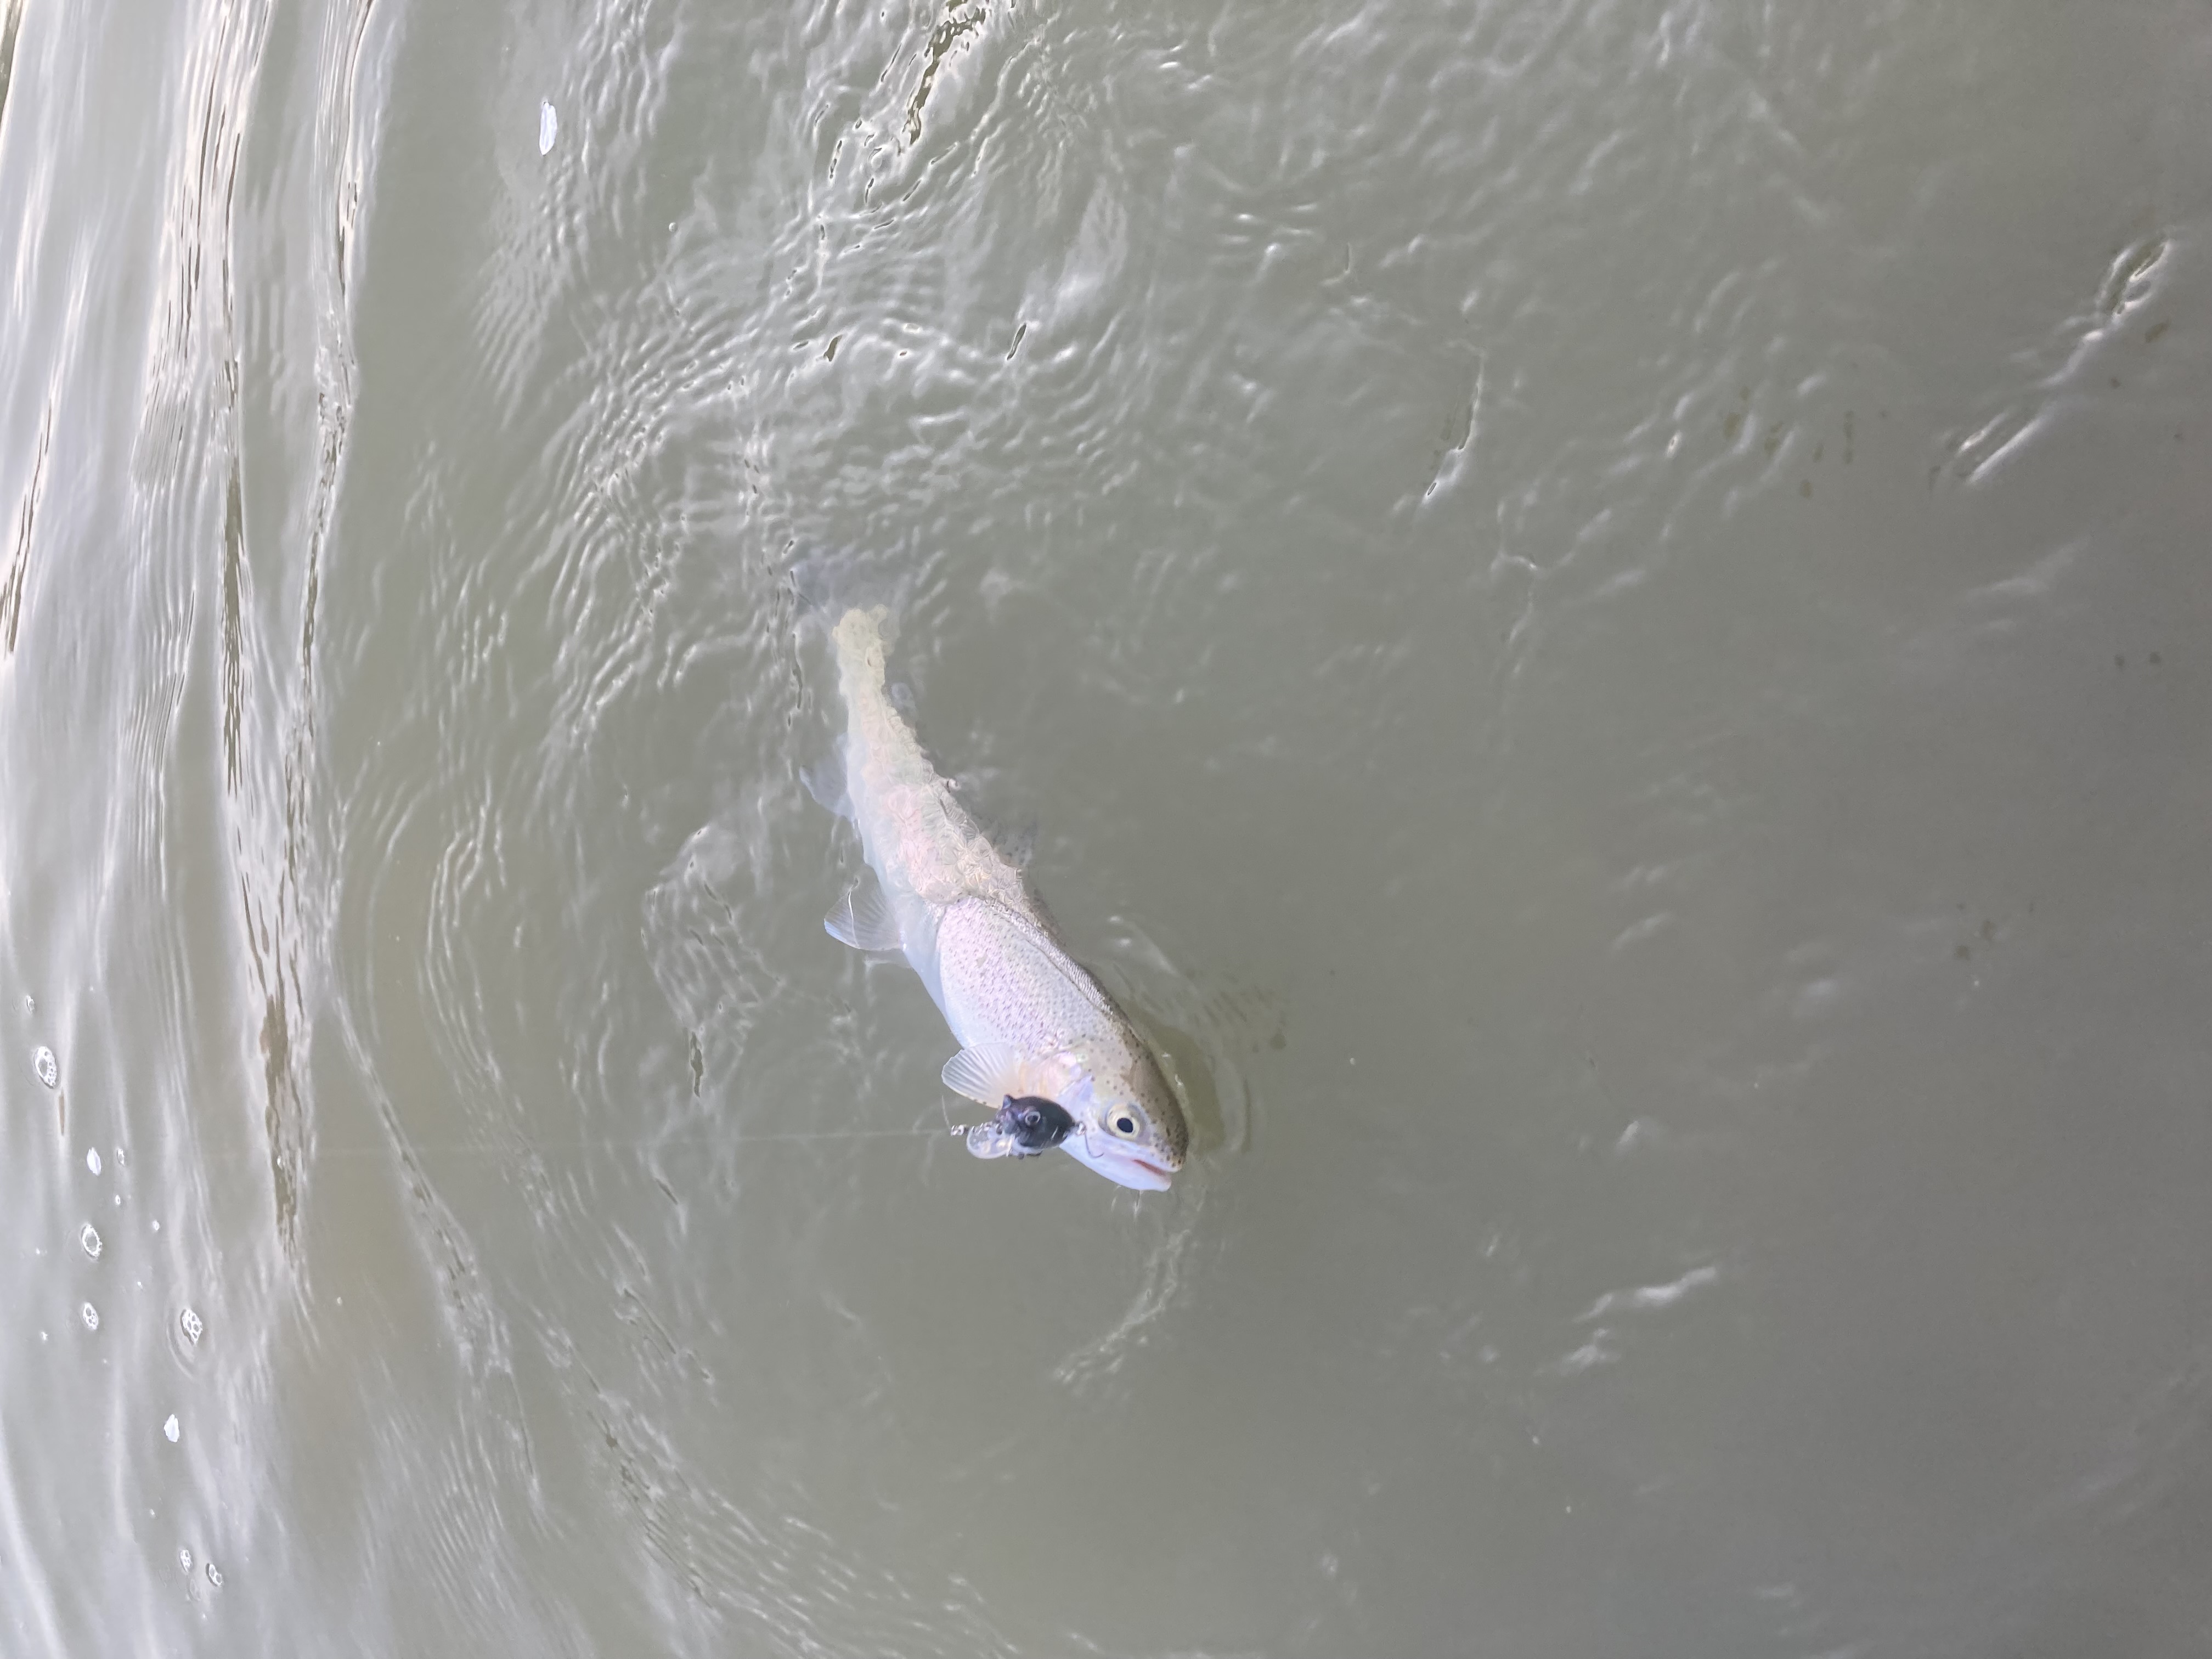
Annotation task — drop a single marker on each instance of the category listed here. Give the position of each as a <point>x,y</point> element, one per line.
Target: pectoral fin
<point>863,919</point>
<point>987,1073</point>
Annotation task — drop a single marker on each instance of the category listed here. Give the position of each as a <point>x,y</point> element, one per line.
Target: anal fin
<point>987,1073</point>
<point>863,919</point>
<point>825,780</point>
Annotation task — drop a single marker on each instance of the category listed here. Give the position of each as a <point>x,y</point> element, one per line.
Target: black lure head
<point>1034,1123</point>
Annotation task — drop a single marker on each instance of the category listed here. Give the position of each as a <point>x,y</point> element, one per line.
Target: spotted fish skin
<point>920,840</point>
<point>966,921</point>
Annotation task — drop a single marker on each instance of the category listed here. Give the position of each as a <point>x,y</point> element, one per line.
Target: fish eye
<point>1124,1121</point>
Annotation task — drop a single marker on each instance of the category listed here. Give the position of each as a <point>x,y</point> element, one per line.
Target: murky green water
<point>1599,615</point>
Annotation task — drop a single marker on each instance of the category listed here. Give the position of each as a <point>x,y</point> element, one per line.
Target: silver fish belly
<point>1031,1021</point>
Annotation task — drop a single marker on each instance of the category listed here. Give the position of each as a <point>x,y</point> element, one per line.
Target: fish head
<point>1128,1127</point>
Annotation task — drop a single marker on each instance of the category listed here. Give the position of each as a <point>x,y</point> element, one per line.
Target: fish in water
<point>1035,1029</point>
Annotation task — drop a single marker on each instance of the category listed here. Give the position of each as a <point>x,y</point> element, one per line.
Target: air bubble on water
<point>549,127</point>
<point>90,1239</point>
<point>214,1577</point>
<point>91,1317</point>
<point>92,1159</point>
<point>48,1068</point>
<point>191,1323</point>
<point>185,1560</point>
<point>171,1429</point>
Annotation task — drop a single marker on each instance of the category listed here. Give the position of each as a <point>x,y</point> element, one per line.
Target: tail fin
<point>849,608</point>
<point>852,605</point>
<point>863,639</point>
<point>828,584</point>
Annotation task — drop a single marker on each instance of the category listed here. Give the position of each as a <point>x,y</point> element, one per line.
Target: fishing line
<point>621,1143</point>
<point>605,1143</point>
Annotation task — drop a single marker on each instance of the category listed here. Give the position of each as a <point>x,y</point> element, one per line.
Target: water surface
<point>1595,614</point>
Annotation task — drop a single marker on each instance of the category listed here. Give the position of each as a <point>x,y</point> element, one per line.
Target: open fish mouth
<point>1125,1167</point>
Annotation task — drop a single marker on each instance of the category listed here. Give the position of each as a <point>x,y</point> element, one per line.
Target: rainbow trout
<point>1031,1024</point>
